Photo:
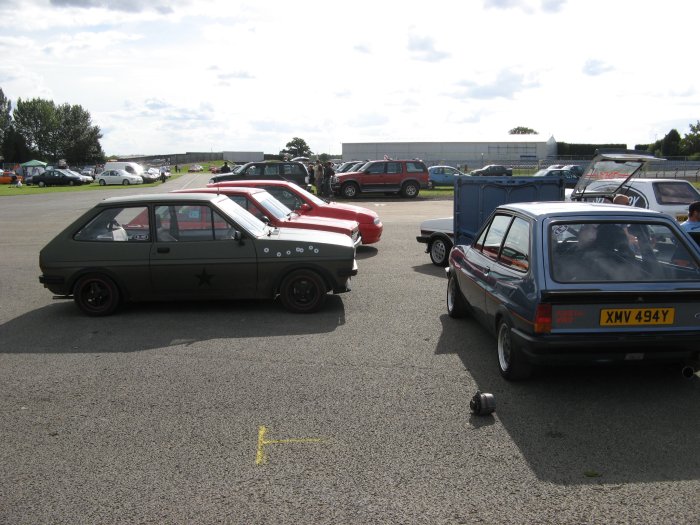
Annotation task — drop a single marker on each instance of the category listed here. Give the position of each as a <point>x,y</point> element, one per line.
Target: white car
<point>118,177</point>
<point>670,196</point>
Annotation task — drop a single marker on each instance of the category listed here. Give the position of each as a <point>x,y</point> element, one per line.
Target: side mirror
<point>304,208</point>
<point>237,236</point>
<point>265,219</point>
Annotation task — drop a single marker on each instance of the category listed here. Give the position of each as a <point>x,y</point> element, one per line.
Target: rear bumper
<point>661,346</point>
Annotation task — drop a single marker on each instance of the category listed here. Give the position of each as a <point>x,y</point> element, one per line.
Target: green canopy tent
<point>34,163</point>
<point>33,167</point>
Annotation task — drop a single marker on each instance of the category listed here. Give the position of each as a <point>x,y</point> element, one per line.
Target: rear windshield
<point>619,252</point>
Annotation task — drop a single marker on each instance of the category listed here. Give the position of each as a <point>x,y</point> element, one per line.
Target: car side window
<point>188,223</point>
<point>494,237</point>
<point>376,168</point>
<point>272,169</point>
<point>117,224</point>
<point>393,167</point>
<point>415,167</point>
<point>516,248</point>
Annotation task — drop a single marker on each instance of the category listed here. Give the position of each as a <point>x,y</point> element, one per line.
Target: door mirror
<point>304,207</point>
<point>265,219</point>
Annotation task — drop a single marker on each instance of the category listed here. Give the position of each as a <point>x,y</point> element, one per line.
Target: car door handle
<point>163,249</point>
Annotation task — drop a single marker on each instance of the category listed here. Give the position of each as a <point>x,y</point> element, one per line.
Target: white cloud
<point>219,74</point>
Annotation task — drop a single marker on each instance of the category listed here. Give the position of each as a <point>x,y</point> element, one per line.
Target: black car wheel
<point>440,251</point>
<point>456,303</point>
<point>511,361</point>
<point>125,182</point>
<point>102,182</point>
<point>349,190</point>
<point>42,184</point>
<point>302,292</point>
<point>96,295</point>
<point>410,190</point>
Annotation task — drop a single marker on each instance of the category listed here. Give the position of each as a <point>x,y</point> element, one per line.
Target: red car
<point>309,205</point>
<point>268,209</point>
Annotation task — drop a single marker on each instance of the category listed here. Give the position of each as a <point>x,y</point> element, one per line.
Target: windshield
<point>272,205</point>
<point>243,218</point>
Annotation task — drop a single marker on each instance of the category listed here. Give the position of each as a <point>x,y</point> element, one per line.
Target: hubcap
<point>438,251</point>
<point>96,295</point>
<point>303,291</point>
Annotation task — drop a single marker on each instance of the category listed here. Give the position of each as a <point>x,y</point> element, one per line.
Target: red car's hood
<point>320,223</point>
<point>344,211</point>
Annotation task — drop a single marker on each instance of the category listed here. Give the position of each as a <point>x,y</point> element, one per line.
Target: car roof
<point>541,210</point>
<point>242,183</point>
<point>162,197</point>
<point>224,190</point>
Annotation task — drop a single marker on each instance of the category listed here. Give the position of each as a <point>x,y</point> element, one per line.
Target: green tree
<point>297,147</point>
<point>690,143</point>
<point>5,120</point>
<point>58,132</point>
<point>671,144</point>
<point>14,147</point>
<point>521,130</point>
<point>35,120</point>
<point>78,141</point>
<point>324,157</point>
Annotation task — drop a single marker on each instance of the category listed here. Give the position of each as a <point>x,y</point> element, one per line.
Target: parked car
<point>492,170</point>
<point>671,196</point>
<point>58,177</point>
<point>195,168</point>
<point>405,177</point>
<point>566,282</point>
<point>88,171</point>
<point>570,179</point>
<point>151,175</point>
<point>291,171</point>
<point>574,168</point>
<point>271,211</point>
<point>309,205</point>
<point>443,175</point>
<point>190,246</point>
<point>118,177</point>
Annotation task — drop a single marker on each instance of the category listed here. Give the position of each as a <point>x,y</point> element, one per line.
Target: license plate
<point>636,316</point>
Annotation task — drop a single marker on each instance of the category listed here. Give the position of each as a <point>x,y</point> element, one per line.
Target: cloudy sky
<point>168,76</point>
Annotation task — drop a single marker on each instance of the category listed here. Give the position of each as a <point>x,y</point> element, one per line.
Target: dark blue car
<point>563,282</point>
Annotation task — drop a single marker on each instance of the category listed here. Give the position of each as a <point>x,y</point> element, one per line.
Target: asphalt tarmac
<point>240,412</point>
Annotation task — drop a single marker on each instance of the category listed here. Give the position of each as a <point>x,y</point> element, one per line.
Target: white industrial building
<point>516,149</point>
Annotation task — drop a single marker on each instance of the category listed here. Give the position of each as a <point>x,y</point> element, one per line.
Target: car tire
<point>102,182</point>
<point>410,190</point>
<point>96,295</point>
<point>439,250</point>
<point>456,303</point>
<point>42,184</point>
<point>511,361</point>
<point>302,292</point>
<point>125,182</point>
<point>349,190</point>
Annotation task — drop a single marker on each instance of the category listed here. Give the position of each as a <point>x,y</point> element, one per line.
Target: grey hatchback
<point>562,282</point>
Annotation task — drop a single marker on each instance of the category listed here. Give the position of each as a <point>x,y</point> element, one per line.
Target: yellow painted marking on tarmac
<point>260,458</point>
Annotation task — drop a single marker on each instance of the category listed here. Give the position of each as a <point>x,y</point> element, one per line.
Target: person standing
<point>693,222</point>
<point>225,168</point>
<point>318,175</point>
<point>328,173</point>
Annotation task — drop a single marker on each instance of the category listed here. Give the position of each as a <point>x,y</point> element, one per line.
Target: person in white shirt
<point>693,222</point>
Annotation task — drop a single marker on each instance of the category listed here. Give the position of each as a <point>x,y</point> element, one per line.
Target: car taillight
<point>543,318</point>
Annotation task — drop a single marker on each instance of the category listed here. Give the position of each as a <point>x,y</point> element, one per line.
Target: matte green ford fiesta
<point>191,246</point>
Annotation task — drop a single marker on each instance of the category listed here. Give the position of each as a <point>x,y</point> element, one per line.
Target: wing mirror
<point>304,208</point>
